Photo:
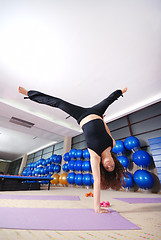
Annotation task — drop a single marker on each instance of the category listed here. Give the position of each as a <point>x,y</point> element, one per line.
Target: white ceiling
<point>77,50</point>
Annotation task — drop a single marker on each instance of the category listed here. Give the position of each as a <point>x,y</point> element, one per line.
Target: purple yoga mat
<point>62,219</point>
<point>39,197</point>
<point>140,200</point>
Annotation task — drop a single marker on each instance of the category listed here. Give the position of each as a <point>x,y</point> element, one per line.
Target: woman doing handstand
<point>107,170</point>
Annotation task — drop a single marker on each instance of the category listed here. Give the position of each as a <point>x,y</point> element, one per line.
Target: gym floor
<point>146,215</point>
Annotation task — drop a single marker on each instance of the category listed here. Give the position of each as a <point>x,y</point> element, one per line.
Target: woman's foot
<point>23,91</point>
<point>124,90</point>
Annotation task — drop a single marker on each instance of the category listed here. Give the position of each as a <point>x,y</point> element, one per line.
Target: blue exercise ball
<point>119,147</point>
<point>65,167</point>
<point>38,171</point>
<point>44,163</point>
<point>71,178</point>
<point>52,158</point>
<point>92,179</point>
<point>66,157</point>
<point>124,161</point>
<point>131,143</point>
<point>87,179</point>
<point>40,161</point>
<point>42,172</point>
<point>35,165</point>
<point>48,161</point>
<point>57,168</point>
<point>79,154</point>
<point>79,179</point>
<point>78,165</point>
<point>128,182</point>
<point>72,153</point>
<point>24,173</point>
<point>31,166</point>
<point>71,165</point>
<point>51,168</point>
<point>142,158</point>
<point>86,166</point>
<point>58,159</point>
<point>143,179</point>
<point>86,154</point>
<point>46,170</point>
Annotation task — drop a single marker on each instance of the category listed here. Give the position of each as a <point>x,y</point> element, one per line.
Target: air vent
<point>21,122</point>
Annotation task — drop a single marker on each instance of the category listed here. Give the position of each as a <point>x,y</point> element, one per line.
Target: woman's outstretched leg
<point>103,105</point>
<point>39,97</point>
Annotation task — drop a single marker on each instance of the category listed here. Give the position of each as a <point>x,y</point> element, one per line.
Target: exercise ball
<point>31,166</point>
<point>79,179</point>
<point>78,166</point>
<point>66,157</point>
<point>24,173</point>
<point>86,154</point>
<point>143,179</point>
<point>119,147</point>
<point>128,182</point>
<point>72,153</point>
<point>38,171</point>
<point>57,168</point>
<point>44,163</point>
<point>48,161</point>
<point>40,161</point>
<point>63,179</point>
<point>46,170</point>
<point>71,178</point>
<point>92,179</point>
<point>34,165</point>
<point>42,172</point>
<point>52,158</point>
<point>71,165</point>
<point>65,167</point>
<point>86,166</point>
<point>87,179</point>
<point>79,154</point>
<point>58,159</point>
<point>131,143</point>
<point>142,158</point>
<point>51,168</point>
<point>55,177</point>
<point>124,161</point>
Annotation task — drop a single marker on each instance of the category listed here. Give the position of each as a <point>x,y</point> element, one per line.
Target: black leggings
<point>75,111</point>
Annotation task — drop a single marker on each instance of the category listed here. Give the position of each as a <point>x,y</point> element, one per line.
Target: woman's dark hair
<point>115,178</point>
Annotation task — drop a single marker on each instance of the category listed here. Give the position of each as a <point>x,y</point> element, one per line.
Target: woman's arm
<point>95,164</point>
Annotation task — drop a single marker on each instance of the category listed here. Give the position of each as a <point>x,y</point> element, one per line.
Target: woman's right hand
<point>102,211</point>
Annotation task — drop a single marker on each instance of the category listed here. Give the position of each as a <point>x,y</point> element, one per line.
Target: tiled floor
<point>146,216</point>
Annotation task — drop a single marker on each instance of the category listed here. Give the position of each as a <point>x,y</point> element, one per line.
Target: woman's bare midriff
<point>89,118</point>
